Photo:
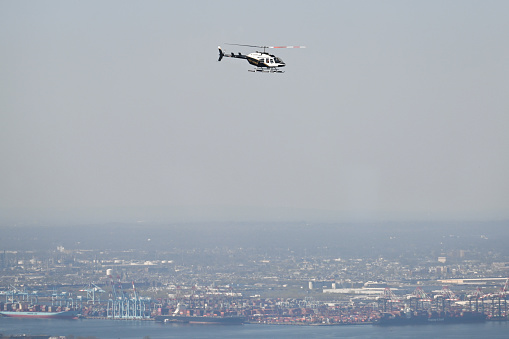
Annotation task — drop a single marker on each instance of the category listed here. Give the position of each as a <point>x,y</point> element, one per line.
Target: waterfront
<point>277,286</point>
<point>104,329</point>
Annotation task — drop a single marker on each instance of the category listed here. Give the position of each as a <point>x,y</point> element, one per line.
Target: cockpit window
<point>278,60</point>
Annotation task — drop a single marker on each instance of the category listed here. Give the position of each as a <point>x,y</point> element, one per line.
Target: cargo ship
<point>176,317</point>
<point>423,318</point>
<point>53,315</point>
<point>182,319</point>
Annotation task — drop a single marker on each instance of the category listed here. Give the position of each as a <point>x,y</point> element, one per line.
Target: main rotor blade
<point>267,46</point>
<point>286,47</point>
<point>245,45</point>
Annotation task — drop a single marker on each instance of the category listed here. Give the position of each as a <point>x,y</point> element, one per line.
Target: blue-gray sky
<point>119,110</point>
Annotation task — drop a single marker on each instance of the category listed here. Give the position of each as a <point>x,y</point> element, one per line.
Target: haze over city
<point>150,173</point>
<point>120,112</point>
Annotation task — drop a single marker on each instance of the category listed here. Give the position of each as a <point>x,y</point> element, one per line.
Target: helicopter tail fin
<point>221,54</point>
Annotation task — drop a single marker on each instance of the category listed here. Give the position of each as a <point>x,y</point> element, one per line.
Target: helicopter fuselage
<point>264,60</point>
<point>258,59</point>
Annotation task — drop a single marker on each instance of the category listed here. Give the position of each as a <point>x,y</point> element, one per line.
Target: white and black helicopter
<point>263,61</point>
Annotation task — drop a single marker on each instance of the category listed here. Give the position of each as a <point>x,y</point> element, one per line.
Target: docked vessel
<point>54,315</point>
<point>422,318</point>
<point>200,319</point>
<point>176,317</point>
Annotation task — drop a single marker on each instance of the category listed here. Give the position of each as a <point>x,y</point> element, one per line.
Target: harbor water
<point>113,329</point>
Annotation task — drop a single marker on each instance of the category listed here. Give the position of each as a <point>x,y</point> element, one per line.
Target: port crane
<point>91,290</point>
<point>122,305</point>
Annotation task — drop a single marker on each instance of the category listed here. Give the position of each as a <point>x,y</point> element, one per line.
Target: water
<point>111,329</point>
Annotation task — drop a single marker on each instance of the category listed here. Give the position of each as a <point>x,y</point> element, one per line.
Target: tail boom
<point>222,54</point>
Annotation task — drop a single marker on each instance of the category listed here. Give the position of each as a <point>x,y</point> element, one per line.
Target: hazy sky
<point>119,109</point>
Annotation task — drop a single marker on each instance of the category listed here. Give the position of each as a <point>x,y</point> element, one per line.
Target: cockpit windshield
<point>278,60</point>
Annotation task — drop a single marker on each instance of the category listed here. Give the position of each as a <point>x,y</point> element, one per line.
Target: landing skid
<point>266,70</point>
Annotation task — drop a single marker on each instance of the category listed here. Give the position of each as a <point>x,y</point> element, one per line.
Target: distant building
<point>363,290</point>
<point>378,284</point>
<point>473,281</point>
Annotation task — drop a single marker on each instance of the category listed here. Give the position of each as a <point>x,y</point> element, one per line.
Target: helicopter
<point>263,61</point>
